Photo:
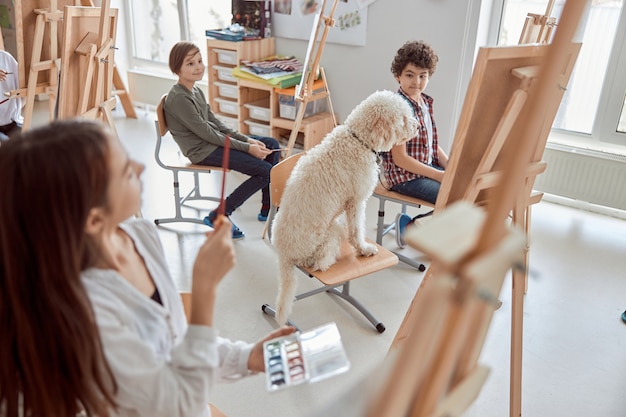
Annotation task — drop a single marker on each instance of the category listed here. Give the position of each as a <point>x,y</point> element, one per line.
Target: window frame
<point>604,135</point>
<point>604,132</point>
<point>148,64</point>
<point>614,90</point>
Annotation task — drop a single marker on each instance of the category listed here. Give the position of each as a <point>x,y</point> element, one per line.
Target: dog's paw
<point>368,249</point>
<point>324,264</point>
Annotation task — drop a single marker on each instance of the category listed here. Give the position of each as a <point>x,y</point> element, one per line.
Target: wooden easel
<point>118,84</point>
<point>45,18</point>
<point>36,23</point>
<point>522,86</point>
<point>538,28</point>
<point>88,63</point>
<point>304,91</point>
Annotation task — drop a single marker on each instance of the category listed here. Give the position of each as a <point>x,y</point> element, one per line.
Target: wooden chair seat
<point>350,266</point>
<point>382,192</point>
<point>195,167</point>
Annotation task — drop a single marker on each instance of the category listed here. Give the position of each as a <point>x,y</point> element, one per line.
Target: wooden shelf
<point>226,54</point>
<point>314,127</point>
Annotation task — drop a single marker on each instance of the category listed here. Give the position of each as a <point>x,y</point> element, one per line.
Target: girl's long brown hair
<point>51,357</point>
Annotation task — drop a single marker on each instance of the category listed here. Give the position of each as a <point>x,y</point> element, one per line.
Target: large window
<point>593,108</point>
<point>157,24</point>
<point>594,104</point>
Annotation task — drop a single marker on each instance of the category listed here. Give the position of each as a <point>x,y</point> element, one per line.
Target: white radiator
<point>585,175</point>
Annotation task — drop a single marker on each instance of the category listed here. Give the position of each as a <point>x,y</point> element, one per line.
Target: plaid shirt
<point>416,148</point>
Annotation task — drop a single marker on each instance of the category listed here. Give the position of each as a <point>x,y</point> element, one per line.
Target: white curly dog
<point>335,178</point>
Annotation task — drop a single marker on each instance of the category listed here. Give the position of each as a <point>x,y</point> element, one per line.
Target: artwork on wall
<point>295,18</point>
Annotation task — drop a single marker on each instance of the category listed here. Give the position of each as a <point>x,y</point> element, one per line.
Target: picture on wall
<point>295,18</point>
<point>282,6</point>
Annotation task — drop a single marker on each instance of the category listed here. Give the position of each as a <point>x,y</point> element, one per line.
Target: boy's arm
<point>408,163</point>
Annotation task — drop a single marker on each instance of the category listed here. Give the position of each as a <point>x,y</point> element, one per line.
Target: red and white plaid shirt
<point>416,148</point>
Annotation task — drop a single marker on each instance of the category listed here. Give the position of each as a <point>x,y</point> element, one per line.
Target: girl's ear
<point>95,221</point>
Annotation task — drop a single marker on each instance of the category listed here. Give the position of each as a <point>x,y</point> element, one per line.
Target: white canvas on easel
<point>304,90</point>
<point>307,59</point>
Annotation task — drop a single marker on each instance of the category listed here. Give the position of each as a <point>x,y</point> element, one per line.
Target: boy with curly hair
<point>415,168</point>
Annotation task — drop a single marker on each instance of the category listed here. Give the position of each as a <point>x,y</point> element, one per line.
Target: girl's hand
<point>255,361</point>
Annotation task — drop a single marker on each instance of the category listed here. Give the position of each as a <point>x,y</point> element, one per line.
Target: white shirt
<point>162,366</point>
<point>428,124</point>
<point>10,110</point>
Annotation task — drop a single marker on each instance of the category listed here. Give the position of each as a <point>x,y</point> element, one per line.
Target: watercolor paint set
<point>304,357</point>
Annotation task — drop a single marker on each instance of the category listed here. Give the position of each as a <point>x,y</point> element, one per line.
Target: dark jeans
<point>258,169</point>
<point>10,130</point>
<point>423,188</point>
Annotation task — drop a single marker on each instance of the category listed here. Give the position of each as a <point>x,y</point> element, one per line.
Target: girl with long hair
<point>90,318</point>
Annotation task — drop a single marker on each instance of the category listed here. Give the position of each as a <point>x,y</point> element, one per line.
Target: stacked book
<point>276,70</point>
<point>225,34</point>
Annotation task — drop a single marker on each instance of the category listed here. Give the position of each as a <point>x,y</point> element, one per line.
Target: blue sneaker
<point>265,211</point>
<point>237,233</point>
<point>402,220</point>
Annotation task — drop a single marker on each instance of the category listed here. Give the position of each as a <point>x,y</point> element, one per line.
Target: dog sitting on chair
<point>333,179</point>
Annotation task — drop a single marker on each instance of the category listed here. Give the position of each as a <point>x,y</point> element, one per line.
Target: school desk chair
<point>336,279</point>
<point>176,167</point>
<point>383,195</point>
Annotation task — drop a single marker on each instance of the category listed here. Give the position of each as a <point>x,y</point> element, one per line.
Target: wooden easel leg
<point>527,216</point>
<point>30,99</point>
<point>107,116</point>
<point>83,102</point>
<point>517,311</point>
<point>330,102</point>
<point>296,125</point>
<point>120,91</point>
<point>517,326</point>
<point>33,74</point>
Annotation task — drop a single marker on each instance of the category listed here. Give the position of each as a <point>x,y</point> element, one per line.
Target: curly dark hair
<point>417,53</point>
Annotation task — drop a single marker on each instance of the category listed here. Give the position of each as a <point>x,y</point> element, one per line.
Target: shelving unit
<point>224,92</point>
<point>255,108</point>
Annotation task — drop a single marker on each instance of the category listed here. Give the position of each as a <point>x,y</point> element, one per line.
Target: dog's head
<point>382,120</point>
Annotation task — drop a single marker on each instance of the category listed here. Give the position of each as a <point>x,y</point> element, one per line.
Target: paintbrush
<point>221,208</point>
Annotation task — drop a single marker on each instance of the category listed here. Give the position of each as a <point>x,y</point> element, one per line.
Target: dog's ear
<point>381,129</point>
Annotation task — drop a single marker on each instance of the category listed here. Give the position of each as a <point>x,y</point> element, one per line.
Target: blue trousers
<point>423,188</point>
<point>257,169</point>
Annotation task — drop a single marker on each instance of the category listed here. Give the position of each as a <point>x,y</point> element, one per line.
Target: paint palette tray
<point>304,357</point>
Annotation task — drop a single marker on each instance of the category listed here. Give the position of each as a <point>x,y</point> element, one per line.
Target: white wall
<point>452,28</point>
<point>353,72</point>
